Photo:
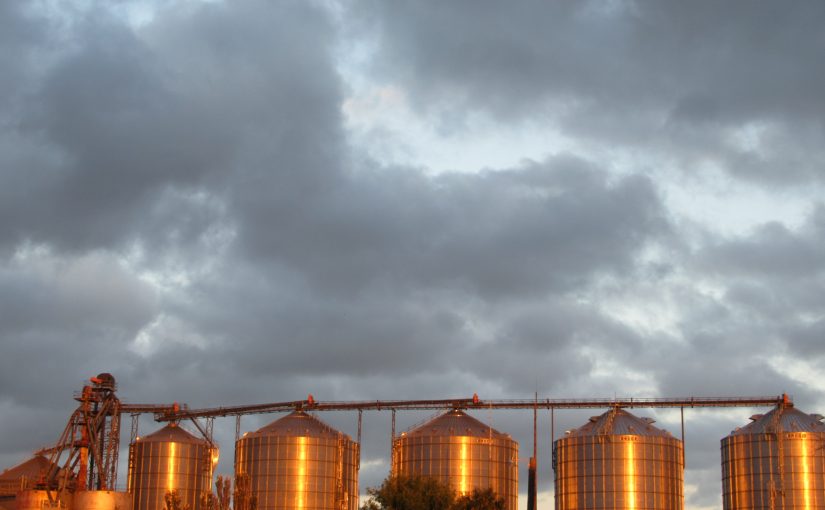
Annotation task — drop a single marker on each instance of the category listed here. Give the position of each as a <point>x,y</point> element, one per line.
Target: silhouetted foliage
<point>243,499</point>
<point>221,499</point>
<point>410,493</point>
<point>479,499</point>
<point>172,501</point>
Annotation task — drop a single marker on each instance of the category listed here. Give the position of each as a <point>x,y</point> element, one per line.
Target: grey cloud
<point>684,82</point>
<point>196,223</point>
<point>549,225</point>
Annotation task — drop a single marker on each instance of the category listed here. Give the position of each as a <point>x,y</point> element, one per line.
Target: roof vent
<point>755,417</point>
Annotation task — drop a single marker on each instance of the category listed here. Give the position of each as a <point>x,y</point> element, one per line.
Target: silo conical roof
<point>619,422</point>
<point>456,423</point>
<point>297,423</point>
<point>784,418</point>
<point>172,433</point>
<point>31,469</point>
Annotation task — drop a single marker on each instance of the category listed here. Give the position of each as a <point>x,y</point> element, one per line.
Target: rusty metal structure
<point>170,459</point>
<point>85,457</point>
<point>462,452</point>
<point>618,461</point>
<point>775,462</point>
<point>299,462</point>
<point>90,441</point>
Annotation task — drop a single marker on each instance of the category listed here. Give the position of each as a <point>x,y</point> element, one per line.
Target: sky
<point>239,202</point>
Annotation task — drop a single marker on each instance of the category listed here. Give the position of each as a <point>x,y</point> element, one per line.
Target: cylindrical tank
<point>775,462</point>
<point>102,500</point>
<point>170,459</point>
<point>462,452</point>
<point>618,461</point>
<point>299,462</point>
<point>33,499</point>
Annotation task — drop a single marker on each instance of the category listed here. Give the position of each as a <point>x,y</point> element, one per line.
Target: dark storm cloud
<point>179,206</point>
<point>549,225</point>
<point>682,79</point>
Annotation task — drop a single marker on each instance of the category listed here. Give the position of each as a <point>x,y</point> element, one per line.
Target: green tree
<point>410,493</point>
<point>479,499</point>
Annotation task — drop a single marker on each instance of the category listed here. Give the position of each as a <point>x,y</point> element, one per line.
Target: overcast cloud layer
<point>226,203</point>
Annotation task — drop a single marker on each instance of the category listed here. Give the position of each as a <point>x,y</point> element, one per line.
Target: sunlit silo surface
<point>33,499</point>
<point>102,500</point>
<point>299,462</point>
<point>166,460</point>
<point>775,462</point>
<point>463,452</point>
<point>618,461</point>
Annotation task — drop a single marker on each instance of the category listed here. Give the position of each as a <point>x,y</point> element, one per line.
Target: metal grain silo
<point>462,452</point>
<point>775,462</point>
<point>299,462</point>
<point>618,461</point>
<point>170,459</point>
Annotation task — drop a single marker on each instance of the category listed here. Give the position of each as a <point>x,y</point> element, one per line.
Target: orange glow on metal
<point>302,472</point>
<point>170,466</point>
<point>806,474</point>
<point>463,468</point>
<point>630,482</point>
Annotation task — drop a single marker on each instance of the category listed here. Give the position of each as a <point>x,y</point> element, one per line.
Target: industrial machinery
<point>170,459</point>
<point>462,452</point>
<point>81,469</point>
<point>299,462</point>
<point>775,462</point>
<point>618,461</point>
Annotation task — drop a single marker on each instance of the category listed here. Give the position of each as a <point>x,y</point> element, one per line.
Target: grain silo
<point>170,459</point>
<point>299,462</point>
<point>775,462</point>
<point>618,461</point>
<point>462,452</point>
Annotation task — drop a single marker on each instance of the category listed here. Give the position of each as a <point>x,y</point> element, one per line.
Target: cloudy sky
<point>249,201</point>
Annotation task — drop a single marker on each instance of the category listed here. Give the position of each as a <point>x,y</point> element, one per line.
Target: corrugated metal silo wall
<point>782,471</point>
<point>298,472</point>
<point>619,472</point>
<point>159,467</point>
<point>464,462</point>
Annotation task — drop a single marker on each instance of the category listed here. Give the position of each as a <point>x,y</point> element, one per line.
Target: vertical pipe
<point>532,485</point>
<point>360,413</point>
<point>682,411</point>
<point>392,432</point>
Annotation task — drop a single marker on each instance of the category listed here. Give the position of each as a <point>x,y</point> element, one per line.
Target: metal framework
<point>470,403</point>
<point>85,456</point>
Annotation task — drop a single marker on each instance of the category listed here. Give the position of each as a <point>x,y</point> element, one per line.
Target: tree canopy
<point>427,493</point>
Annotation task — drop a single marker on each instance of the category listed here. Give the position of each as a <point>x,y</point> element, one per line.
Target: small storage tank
<point>170,459</point>
<point>299,462</point>
<point>102,500</point>
<point>775,462</point>
<point>34,499</point>
<point>618,461</point>
<point>462,452</point>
